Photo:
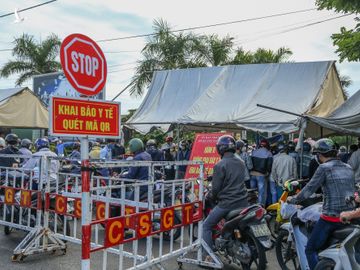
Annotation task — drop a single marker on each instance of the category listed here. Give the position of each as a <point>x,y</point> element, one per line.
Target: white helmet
<point>2,142</point>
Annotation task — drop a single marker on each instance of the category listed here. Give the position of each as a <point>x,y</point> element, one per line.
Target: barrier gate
<point>128,224</point>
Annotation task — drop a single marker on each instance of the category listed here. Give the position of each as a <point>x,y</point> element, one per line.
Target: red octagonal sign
<point>84,64</point>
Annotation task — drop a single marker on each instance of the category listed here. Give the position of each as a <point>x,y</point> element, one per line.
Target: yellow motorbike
<point>273,217</point>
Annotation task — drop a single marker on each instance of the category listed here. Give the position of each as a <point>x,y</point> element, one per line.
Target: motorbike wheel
<point>7,229</point>
<point>325,264</point>
<point>176,232</point>
<point>258,256</point>
<point>286,252</point>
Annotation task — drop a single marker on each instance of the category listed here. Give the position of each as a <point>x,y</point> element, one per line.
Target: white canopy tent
<point>21,108</point>
<point>226,97</point>
<point>344,120</point>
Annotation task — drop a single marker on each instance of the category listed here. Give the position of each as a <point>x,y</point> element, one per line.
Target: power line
<point>211,25</point>
<point>250,40</point>
<point>28,8</point>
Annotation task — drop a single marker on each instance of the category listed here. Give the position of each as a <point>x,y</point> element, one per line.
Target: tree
<point>345,82</point>
<point>348,40</point>
<point>32,58</point>
<point>171,50</point>
<point>165,50</point>
<point>261,56</point>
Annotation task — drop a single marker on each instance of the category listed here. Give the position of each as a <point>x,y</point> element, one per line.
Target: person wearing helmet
<point>42,151</point>
<point>75,154</point>
<point>2,143</point>
<point>106,152</point>
<point>354,162</point>
<point>118,151</point>
<point>283,168</point>
<point>95,151</point>
<point>228,185</point>
<point>241,152</point>
<point>262,162</point>
<point>292,152</point>
<point>182,155</point>
<point>136,147</point>
<point>152,149</point>
<point>26,145</point>
<point>337,182</point>
<point>306,160</point>
<point>12,140</point>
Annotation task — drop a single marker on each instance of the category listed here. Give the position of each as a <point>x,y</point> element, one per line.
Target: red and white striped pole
<point>85,205</point>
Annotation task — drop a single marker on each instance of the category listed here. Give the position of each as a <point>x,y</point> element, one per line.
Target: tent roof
<point>345,119</point>
<point>21,108</point>
<point>226,97</point>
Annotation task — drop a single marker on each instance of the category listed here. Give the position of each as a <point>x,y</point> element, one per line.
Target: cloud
<point>110,18</point>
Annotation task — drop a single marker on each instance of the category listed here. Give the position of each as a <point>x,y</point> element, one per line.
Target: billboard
<point>56,84</point>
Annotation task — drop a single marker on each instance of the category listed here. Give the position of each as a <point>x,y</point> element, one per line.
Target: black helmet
<point>12,139</point>
<point>281,147</point>
<point>307,147</point>
<point>225,143</point>
<point>239,144</point>
<point>324,146</point>
<point>76,146</point>
<point>291,146</point>
<point>26,143</point>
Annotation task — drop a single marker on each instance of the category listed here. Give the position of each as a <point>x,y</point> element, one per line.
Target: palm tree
<point>165,50</point>
<point>345,82</point>
<point>32,58</point>
<point>261,56</point>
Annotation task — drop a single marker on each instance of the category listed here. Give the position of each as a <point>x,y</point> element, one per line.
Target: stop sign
<point>84,64</point>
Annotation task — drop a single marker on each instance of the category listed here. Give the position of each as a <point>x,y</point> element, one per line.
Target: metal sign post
<point>85,204</point>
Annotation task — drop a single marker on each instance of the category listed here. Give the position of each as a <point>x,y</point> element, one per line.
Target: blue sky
<point>110,18</point>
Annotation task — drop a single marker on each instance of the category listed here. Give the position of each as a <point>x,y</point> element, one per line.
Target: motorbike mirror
<point>295,183</point>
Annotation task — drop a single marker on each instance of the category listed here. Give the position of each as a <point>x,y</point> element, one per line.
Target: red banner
<point>204,149</point>
<point>80,117</point>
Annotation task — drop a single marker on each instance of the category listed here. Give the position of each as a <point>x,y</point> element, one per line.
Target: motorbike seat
<point>342,233</point>
<point>234,213</point>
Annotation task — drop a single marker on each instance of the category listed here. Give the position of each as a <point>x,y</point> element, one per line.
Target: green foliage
<point>348,40</point>
<point>32,58</point>
<point>172,50</point>
<point>340,5</point>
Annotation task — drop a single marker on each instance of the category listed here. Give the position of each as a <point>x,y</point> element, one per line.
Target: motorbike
<point>339,252</point>
<point>27,216</point>
<point>346,255</point>
<point>273,217</point>
<point>158,193</point>
<point>243,236</point>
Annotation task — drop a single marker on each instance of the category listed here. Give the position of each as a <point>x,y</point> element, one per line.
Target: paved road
<point>71,260</point>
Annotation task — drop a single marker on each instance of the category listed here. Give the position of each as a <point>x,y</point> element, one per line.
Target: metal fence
<point>136,223</point>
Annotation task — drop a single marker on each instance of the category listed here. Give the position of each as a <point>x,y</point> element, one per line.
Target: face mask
<point>243,149</point>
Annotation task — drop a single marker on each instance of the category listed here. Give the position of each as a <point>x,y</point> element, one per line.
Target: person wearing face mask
<point>241,152</point>
<point>337,182</point>
<point>182,155</point>
<point>228,186</point>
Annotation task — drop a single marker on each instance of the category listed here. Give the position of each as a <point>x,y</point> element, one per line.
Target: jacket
<point>139,173</point>
<point>337,182</point>
<point>35,162</point>
<point>181,156</point>
<point>262,161</point>
<point>283,168</point>
<point>354,162</point>
<point>9,161</point>
<point>228,184</point>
